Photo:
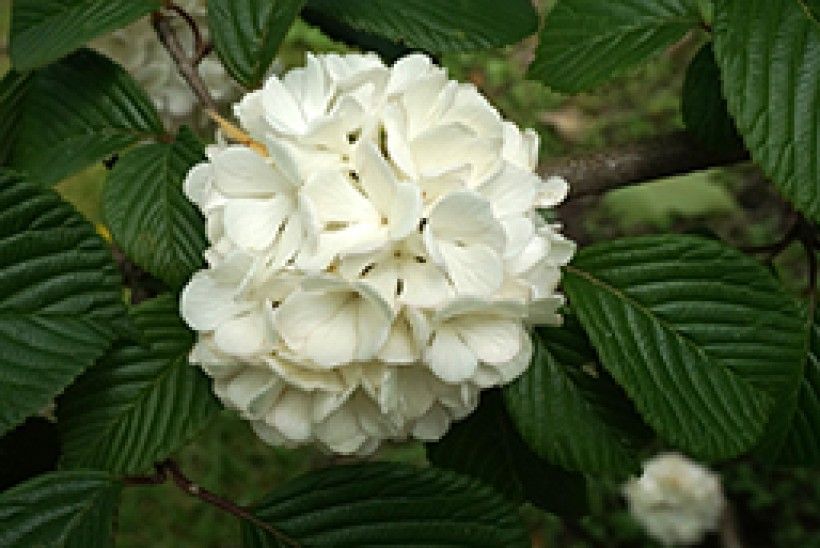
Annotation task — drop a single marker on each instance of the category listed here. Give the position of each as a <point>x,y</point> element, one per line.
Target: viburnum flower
<point>376,253</point>
<point>137,48</point>
<point>677,501</point>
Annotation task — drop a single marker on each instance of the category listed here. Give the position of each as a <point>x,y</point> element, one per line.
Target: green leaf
<point>149,216</point>
<point>583,42</point>
<point>73,509</point>
<point>76,112</point>
<point>59,298</point>
<point>694,331</point>
<point>141,402</point>
<point>247,34</point>
<point>769,58</point>
<point>13,88</point>
<point>802,441</point>
<point>703,107</point>
<point>42,31</point>
<point>569,411</point>
<point>486,446</point>
<point>30,449</point>
<point>437,26</point>
<point>387,505</point>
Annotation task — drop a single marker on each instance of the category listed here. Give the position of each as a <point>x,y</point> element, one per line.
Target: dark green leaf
<point>486,446</point>
<point>583,42</point>
<point>694,331</point>
<point>437,26</point>
<point>769,57</point>
<point>149,216</point>
<point>140,403</point>
<point>388,50</point>
<point>59,298</point>
<point>76,112</point>
<point>802,441</point>
<point>13,88</point>
<point>30,449</point>
<point>387,505</point>
<point>247,34</point>
<point>703,106</point>
<point>42,31</point>
<point>570,411</point>
<point>73,509</point>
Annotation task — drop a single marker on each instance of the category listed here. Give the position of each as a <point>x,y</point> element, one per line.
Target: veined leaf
<point>486,446</point>
<point>387,505</point>
<point>141,402</point>
<point>437,26</point>
<point>59,298</point>
<point>73,509</point>
<point>703,106</point>
<point>802,441</point>
<point>769,57</point>
<point>13,88</point>
<point>149,216</point>
<point>42,31</point>
<point>570,411</point>
<point>76,112</point>
<point>583,42</point>
<point>697,334</point>
<point>247,34</point>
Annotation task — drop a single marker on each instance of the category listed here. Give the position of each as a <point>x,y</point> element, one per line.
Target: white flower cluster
<point>139,51</point>
<point>375,254</point>
<point>677,501</point>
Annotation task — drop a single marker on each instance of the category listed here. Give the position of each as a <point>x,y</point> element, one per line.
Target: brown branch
<point>186,66</point>
<point>170,469</point>
<point>616,167</point>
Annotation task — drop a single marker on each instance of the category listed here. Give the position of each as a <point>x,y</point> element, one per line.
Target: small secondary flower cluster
<point>139,51</point>
<point>375,254</point>
<point>677,501</point>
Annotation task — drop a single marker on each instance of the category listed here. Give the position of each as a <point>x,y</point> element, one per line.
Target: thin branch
<point>170,469</point>
<point>185,65</point>
<point>620,166</point>
<point>199,42</point>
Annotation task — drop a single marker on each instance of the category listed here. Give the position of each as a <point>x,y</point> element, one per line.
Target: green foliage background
<point>778,508</point>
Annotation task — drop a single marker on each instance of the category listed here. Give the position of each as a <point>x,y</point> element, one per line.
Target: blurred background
<point>773,507</point>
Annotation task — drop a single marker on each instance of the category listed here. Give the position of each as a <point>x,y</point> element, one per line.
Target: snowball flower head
<point>676,500</point>
<point>376,254</point>
<point>137,48</point>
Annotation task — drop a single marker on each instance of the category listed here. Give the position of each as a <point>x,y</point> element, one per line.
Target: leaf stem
<point>170,469</point>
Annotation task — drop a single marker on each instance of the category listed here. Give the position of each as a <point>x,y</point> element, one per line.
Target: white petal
<point>398,148</point>
<point>341,432</point>
<point>512,369</point>
<point>406,391</point>
<point>242,336</point>
<point>376,178</point>
<point>254,224</point>
<point>304,378</point>
<point>552,192</point>
<point>406,70</point>
<point>251,115</point>
<point>449,358</point>
<point>301,314</point>
<point>400,346</point>
<point>292,415</point>
<point>473,110</point>
<point>252,391</point>
<point>281,110</point>
<point>466,217</point>
<point>443,148</point>
<point>425,285</point>
<point>405,211</point>
<point>198,184</point>
<point>285,159</point>
<point>336,200</point>
<point>433,425</point>
<point>205,304</point>
<point>474,269</point>
<point>511,190</point>
<point>519,231</point>
<point>239,171</point>
<point>492,340</point>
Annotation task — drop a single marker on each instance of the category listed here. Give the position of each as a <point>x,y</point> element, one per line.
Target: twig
<point>186,66</point>
<point>616,167</point>
<point>170,469</point>
<point>729,535</point>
